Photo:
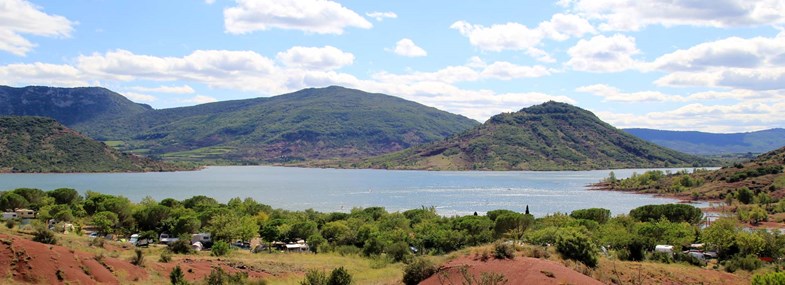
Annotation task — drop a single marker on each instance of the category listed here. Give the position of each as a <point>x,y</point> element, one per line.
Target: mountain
<point>714,144</point>
<point>38,144</point>
<point>69,106</point>
<point>315,123</point>
<point>550,136</point>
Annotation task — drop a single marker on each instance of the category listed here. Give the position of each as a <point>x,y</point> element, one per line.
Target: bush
<point>314,277</point>
<point>177,277</point>
<point>773,278</point>
<point>181,247</point>
<point>675,213</point>
<point>166,256</point>
<point>577,246</point>
<point>502,250</point>
<point>538,252</point>
<point>345,250</point>
<point>44,235</point>
<point>749,263</point>
<point>138,258</point>
<point>399,251</point>
<point>220,277</point>
<point>418,270</point>
<point>97,242</point>
<point>598,215</point>
<point>10,223</point>
<point>220,248</point>
<point>339,276</point>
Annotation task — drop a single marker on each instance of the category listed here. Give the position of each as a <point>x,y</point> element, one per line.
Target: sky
<point>716,66</point>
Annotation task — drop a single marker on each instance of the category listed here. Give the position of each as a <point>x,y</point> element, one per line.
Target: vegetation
<point>219,248</point>
<point>774,278</point>
<point>551,136</point>
<point>418,270</point>
<point>37,144</point>
<point>339,276</point>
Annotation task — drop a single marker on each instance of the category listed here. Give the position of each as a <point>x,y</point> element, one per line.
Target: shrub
<point>220,277</point>
<point>166,256</point>
<point>138,258</point>
<point>399,251</point>
<point>577,246</point>
<point>177,277</point>
<point>220,248</point>
<point>314,277</point>
<point>97,242</point>
<point>772,278</point>
<point>339,276</point>
<point>749,263</point>
<point>181,247</point>
<point>345,250</point>
<point>44,235</point>
<point>10,223</point>
<point>503,250</point>
<point>538,252</point>
<point>418,270</point>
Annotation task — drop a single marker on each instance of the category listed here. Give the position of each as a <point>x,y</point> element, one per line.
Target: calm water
<point>340,189</point>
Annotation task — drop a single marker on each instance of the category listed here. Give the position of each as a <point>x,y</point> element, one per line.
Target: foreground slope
<point>714,144</point>
<point>550,136</point>
<point>38,144</point>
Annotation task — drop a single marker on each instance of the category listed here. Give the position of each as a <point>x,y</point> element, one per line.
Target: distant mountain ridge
<point>550,136</point>
<point>314,123</point>
<point>39,144</point>
<point>702,143</point>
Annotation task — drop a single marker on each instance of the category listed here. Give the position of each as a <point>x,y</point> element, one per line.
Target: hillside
<point>38,144</point>
<point>702,143</point>
<point>763,174</point>
<point>315,123</point>
<point>550,136</point>
<point>69,106</point>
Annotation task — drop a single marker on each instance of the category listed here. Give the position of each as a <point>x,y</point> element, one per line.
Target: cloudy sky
<point>670,64</point>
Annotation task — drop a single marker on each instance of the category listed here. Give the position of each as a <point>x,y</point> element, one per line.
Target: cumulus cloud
<point>754,63</point>
<point>19,17</point>
<point>185,89</point>
<point>321,58</point>
<point>380,16</point>
<point>744,116</point>
<point>516,36</point>
<point>604,54</point>
<point>612,94</point>
<point>139,97</point>
<point>632,15</point>
<point>407,47</point>
<point>42,74</point>
<point>310,16</point>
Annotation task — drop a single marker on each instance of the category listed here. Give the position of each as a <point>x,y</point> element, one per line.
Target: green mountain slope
<point>550,136</point>
<point>38,144</point>
<point>315,123</point>
<point>69,106</point>
<point>714,144</point>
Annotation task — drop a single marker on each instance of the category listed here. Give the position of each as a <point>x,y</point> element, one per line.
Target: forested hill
<point>69,106</point>
<point>550,136</point>
<point>714,144</point>
<point>314,123</point>
<point>38,144</point>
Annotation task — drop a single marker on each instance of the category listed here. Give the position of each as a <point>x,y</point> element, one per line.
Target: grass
<point>200,153</point>
<point>114,144</point>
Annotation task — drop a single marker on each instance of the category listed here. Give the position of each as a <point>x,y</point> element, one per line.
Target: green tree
<point>744,195</point>
<point>11,201</point>
<point>598,215</point>
<point>105,221</point>
<point>65,196</point>
<point>750,243</point>
<point>721,235</point>
<point>176,276</point>
<point>577,246</point>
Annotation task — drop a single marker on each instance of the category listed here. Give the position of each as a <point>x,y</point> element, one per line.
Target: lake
<point>329,190</point>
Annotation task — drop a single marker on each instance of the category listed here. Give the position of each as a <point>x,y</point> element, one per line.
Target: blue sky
<point>682,65</point>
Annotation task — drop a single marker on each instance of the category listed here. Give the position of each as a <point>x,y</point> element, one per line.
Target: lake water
<point>329,190</point>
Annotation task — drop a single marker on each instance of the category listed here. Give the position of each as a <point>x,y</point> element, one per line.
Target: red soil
<point>199,269</point>
<point>32,262</point>
<point>521,270</point>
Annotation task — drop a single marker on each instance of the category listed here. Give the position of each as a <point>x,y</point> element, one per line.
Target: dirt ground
<point>521,270</point>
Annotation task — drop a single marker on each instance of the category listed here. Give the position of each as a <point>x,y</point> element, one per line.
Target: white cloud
<point>200,99</point>
<point>380,16</point>
<point>41,74</point>
<point>407,47</point>
<point>612,94</point>
<point>474,70</point>
<point>744,116</point>
<point>139,97</point>
<point>516,36</point>
<point>604,54</point>
<point>507,71</point>
<point>632,15</point>
<point>310,16</point>
<point>323,58</point>
<point>209,2</point>
<point>754,63</point>
<point>185,89</point>
<point>18,17</point>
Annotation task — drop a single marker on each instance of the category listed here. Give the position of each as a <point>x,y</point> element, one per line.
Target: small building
<point>25,213</point>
